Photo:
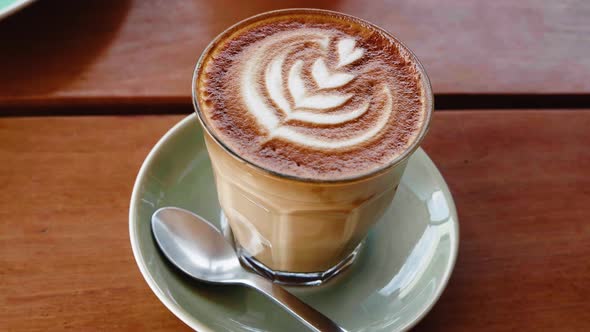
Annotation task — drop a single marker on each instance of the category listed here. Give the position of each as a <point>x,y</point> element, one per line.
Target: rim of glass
<point>428,97</point>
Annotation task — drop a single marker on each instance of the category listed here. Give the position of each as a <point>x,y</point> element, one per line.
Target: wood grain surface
<point>66,52</point>
<point>65,256</point>
<point>520,180</point>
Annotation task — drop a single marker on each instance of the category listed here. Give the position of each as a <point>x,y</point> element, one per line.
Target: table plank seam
<point>179,105</point>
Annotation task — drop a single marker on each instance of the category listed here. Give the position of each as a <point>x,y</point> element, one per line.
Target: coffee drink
<point>312,95</point>
<point>310,118</point>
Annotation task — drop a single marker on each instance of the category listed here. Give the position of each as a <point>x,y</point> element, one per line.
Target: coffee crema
<point>315,95</point>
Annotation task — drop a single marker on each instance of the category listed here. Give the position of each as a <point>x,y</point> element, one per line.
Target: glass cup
<point>296,230</point>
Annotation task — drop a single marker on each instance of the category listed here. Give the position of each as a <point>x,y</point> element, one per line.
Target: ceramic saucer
<point>8,7</point>
<point>399,275</point>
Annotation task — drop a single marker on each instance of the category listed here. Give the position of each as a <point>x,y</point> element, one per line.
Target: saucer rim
<point>14,7</point>
<point>176,309</point>
<point>452,256</point>
<point>191,321</point>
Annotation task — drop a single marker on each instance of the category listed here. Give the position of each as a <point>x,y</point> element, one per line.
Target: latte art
<point>285,98</point>
<point>311,94</point>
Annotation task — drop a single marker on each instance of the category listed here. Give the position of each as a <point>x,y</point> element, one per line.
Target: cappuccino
<point>312,95</point>
<point>310,117</point>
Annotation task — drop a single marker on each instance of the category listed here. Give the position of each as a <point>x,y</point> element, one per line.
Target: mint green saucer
<point>8,7</point>
<point>401,272</point>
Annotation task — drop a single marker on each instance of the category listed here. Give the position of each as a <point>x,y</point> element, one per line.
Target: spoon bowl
<point>195,247</point>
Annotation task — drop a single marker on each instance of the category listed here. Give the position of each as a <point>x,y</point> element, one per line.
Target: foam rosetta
<point>284,98</point>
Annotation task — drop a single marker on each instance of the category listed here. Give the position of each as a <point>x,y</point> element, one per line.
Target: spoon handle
<point>314,319</point>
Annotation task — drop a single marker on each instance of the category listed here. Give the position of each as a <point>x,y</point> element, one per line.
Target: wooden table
<point>87,88</point>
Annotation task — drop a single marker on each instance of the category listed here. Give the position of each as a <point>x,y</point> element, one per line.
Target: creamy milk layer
<point>313,95</point>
